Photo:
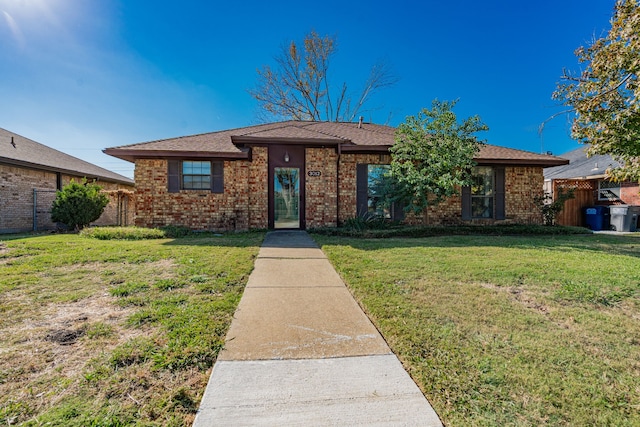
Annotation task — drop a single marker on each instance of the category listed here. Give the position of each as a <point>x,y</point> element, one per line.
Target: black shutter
<point>466,203</point>
<point>173,176</point>
<point>397,209</point>
<point>499,181</point>
<point>362,189</point>
<point>217,177</point>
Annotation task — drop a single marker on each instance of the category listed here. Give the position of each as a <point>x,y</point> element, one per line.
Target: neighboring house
<point>30,174</point>
<point>299,175</point>
<point>586,175</point>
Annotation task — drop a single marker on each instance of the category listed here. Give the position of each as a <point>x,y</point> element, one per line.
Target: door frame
<point>278,156</point>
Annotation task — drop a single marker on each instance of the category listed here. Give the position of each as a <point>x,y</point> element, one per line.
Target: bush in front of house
<point>78,204</point>
<point>123,233</point>
<point>136,233</point>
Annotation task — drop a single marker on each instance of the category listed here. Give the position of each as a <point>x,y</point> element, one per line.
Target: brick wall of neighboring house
<point>17,186</point>
<point>630,193</point>
<point>241,206</point>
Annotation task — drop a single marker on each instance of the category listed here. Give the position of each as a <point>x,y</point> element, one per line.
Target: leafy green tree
<point>605,96</point>
<point>78,204</point>
<point>432,156</point>
<point>300,86</point>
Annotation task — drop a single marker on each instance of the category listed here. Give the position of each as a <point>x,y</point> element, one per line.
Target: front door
<point>286,187</point>
<point>286,198</point>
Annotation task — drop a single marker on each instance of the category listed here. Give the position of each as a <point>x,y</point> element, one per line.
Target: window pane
<point>482,207</point>
<point>196,175</point>
<point>482,181</point>
<point>375,176</point>
<point>482,192</point>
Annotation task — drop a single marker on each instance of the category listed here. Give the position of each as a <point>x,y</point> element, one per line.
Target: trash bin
<point>597,217</point>
<point>634,213</point>
<point>624,217</point>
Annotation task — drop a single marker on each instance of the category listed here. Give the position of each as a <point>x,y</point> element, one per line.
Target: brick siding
<point>321,191</point>
<point>17,186</point>
<point>630,193</point>
<point>244,203</point>
<point>348,167</point>
<point>241,206</point>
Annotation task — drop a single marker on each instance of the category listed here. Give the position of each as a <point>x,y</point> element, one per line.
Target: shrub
<point>123,233</point>
<point>175,231</point>
<point>368,222</point>
<point>78,204</point>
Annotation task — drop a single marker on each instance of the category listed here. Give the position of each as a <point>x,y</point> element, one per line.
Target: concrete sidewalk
<point>301,352</point>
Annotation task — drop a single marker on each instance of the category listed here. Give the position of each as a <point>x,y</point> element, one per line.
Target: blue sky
<point>80,76</point>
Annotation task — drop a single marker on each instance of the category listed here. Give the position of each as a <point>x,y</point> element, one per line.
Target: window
<point>485,197</point>
<point>375,175</point>
<point>196,175</point>
<point>482,192</point>
<point>199,175</point>
<point>608,190</point>
<point>369,193</point>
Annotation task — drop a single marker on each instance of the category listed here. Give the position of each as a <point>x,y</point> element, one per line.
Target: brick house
<point>586,175</point>
<point>30,174</point>
<point>297,174</point>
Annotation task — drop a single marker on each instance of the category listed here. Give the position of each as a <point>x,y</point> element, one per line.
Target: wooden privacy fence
<point>585,192</point>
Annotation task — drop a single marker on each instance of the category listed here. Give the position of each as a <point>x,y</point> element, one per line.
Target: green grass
<point>114,332</point>
<point>507,330</point>
<point>374,228</point>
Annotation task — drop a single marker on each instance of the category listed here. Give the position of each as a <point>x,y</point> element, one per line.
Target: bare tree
<point>299,87</point>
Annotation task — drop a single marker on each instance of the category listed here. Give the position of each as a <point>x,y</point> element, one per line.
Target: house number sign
<point>314,173</point>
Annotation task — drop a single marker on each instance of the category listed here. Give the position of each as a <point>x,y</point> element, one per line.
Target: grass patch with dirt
<point>507,330</point>
<point>114,332</point>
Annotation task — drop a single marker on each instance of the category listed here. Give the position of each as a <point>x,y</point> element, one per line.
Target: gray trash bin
<point>634,213</point>
<point>624,217</point>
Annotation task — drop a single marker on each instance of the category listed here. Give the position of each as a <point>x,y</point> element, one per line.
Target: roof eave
<point>46,168</point>
<point>364,149</point>
<point>132,155</point>
<point>523,162</point>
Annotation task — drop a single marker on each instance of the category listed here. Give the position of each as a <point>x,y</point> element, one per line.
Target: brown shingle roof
<point>352,137</point>
<point>28,153</point>
<point>501,155</point>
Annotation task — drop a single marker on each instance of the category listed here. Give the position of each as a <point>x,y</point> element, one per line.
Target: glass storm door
<point>286,198</point>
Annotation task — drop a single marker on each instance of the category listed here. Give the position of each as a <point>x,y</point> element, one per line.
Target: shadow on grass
<point>237,240</point>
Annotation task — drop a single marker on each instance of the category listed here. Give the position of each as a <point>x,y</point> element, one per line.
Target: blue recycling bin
<point>597,218</point>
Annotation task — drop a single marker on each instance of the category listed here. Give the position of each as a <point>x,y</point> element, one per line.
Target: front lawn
<point>507,330</point>
<point>113,332</point>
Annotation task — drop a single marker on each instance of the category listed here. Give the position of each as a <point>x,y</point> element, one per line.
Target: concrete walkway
<point>300,352</point>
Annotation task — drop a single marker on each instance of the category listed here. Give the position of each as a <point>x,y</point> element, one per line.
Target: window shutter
<point>398,211</point>
<point>173,176</point>
<point>499,181</point>
<point>362,189</point>
<point>466,203</point>
<point>217,177</point>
